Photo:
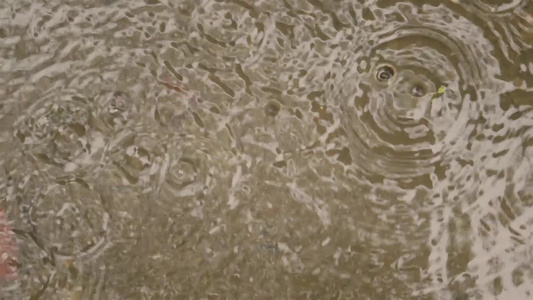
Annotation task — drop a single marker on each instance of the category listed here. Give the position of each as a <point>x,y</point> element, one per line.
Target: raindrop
<point>119,101</point>
<point>272,108</point>
<point>418,90</point>
<point>385,73</point>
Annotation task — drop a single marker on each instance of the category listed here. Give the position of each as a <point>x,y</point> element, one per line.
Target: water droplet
<point>385,73</point>
<point>272,108</point>
<point>418,91</point>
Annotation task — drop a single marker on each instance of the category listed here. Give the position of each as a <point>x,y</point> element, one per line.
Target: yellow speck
<point>439,92</point>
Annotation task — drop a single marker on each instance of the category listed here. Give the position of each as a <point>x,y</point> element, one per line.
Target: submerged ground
<point>217,149</point>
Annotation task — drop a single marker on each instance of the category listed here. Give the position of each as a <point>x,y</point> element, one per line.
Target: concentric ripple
<point>509,22</point>
<point>194,167</point>
<point>423,97</point>
<point>499,6</point>
<point>375,149</point>
<point>400,126</point>
<point>56,133</point>
<point>178,184</point>
<point>175,167</point>
<point>71,219</point>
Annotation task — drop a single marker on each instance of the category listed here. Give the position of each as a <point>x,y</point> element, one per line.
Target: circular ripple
<point>499,6</point>
<point>70,217</point>
<point>114,108</point>
<point>399,125</point>
<point>195,167</point>
<point>56,133</point>
<point>171,166</point>
<point>508,23</point>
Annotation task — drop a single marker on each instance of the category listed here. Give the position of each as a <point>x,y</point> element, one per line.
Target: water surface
<point>175,149</point>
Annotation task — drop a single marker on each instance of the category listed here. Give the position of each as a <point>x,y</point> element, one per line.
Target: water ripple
<point>207,149</point>
<point>401,117</point>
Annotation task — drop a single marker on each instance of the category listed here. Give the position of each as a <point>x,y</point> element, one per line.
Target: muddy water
<point>173,149</point>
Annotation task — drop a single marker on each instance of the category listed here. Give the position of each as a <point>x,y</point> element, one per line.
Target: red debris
<point>8,250</point>
<point>172,83</point>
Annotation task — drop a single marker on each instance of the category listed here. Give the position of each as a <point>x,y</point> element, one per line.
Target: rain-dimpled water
<point>266,149</point>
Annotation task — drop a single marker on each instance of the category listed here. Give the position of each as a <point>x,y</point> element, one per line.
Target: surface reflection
<point>266,149</point>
